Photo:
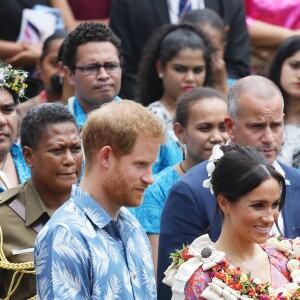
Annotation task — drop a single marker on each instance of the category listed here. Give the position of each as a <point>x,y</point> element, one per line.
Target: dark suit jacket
<point>134,21</point>
<point>190,210</point>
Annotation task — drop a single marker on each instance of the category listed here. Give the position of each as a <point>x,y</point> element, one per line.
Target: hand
<point>219,74</point>
<point>28,57</point>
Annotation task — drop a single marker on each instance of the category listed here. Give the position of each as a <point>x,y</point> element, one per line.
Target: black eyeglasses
<point>93,69</point>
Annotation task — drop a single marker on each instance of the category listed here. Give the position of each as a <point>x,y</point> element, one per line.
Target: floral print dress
<point>279,275</point>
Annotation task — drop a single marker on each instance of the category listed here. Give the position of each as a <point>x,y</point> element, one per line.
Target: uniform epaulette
<point>10,193</point>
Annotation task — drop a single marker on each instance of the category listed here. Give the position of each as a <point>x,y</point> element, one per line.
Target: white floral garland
<point>218,290</point>
<point>217,153</point>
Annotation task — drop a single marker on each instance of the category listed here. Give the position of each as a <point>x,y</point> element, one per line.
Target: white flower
<point>293,264</point>
<point>207,184</point>
<point>217,153</point>
<point>257,281</point>
<point>272,242</point>
<point>284,245</point>
<point>296,247</point>
<point>281,290</point>
<point>295,273</point>
<point>243,277</point>
<point>210,168</point>
<point>272,292</point>
<point>291,287</point>
<point>296,280</point>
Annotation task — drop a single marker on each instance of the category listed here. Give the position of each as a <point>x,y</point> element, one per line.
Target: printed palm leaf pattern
<point>65,283</point>
<point>113,291</point>
<point>77,258</point>
<point>67,245</point>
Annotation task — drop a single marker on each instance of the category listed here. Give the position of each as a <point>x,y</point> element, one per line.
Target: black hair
<point>242,169</point>
<point>61,34</point>
<point>190,97</point>
<point>287,49</point>
<point>38,117</point>
<point>85,33</point>
<point>163,45</point>
<point>206,16</point>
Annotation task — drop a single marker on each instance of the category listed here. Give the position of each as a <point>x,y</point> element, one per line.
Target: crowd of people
<point>146,154</point>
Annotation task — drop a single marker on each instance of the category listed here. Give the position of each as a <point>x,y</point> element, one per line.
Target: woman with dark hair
<point>213,26</point>
<point>285,72</point>
<point>177,58</point>
<point>250,194</point>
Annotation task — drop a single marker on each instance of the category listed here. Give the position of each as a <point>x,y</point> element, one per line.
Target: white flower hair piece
<point>13,80</point>
<point>217,153</point>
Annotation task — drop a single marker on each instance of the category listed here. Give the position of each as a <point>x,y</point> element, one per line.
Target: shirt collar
<point>95,212</point>
<point>278,168</point>
<point>78,111</point>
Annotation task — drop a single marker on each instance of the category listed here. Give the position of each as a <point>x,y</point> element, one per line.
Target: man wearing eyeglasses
<point>92,59</point>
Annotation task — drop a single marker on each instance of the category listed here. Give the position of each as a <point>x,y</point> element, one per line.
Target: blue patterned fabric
<point>77,110</point>
<point>23,171</point>
<point>81,253</point>
<point>154,200</point>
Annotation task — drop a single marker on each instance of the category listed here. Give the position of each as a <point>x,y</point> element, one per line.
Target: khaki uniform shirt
<point>19,235</point>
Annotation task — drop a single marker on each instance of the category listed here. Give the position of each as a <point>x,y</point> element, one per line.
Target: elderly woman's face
<point>8,121</point>
<point>56,164</point>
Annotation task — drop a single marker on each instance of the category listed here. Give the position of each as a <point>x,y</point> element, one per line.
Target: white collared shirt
<point>173,6</point>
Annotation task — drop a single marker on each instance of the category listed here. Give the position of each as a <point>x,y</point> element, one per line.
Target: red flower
<point>185,254</point>
<point>236,286</point>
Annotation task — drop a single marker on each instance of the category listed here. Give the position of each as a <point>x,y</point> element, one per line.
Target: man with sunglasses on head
<point>92,59</point>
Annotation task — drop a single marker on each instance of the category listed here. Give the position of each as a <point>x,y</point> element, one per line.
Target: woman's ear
<point>179,132</point>
<point>159,69</point>
<point>28,156</point>
<point>223,204</point>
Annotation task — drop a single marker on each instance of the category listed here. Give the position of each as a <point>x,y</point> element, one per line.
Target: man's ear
<point>69,75</point>
<point>229,125</point>
<point>105,156</point>
<point>179,132</point>
<point>28,156</point>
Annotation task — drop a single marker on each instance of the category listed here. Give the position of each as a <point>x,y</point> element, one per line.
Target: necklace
<point>182,169</point>
<point>4,163</point>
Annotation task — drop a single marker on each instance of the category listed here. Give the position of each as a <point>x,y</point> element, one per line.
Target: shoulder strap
<point>19,208</point>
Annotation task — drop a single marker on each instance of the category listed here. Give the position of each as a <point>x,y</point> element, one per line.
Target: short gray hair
<point>260,86</point>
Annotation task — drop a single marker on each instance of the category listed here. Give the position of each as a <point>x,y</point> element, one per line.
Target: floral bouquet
<point>13,80</point>
<point>227,281</point>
